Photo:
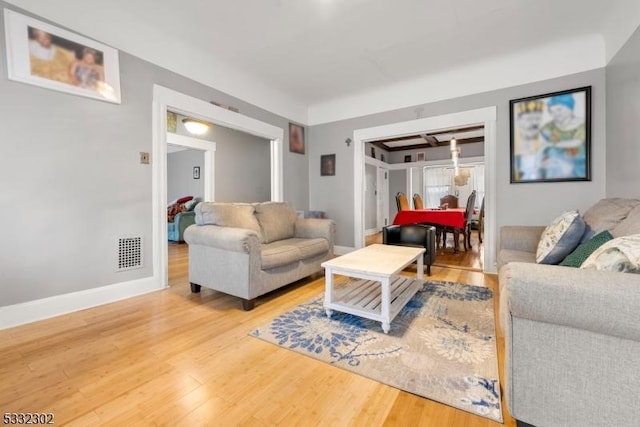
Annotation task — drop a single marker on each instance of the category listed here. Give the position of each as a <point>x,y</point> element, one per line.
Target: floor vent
<point>129,253</point>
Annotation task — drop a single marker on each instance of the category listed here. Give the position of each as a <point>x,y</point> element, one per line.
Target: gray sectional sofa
<point>572,336</point>
<point>247,250</point>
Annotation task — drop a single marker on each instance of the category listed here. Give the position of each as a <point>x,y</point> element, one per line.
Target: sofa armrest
<point>598,301</point>
<point>520,237</point>
<point>227,238</point>
<point>313,228</point>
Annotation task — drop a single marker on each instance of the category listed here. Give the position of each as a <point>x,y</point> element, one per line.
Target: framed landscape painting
<point>551,137</point>
<point>43,55</point>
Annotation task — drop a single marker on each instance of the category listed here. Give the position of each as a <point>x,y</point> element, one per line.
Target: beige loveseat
<point>247,250</point>
<point>572,336</point>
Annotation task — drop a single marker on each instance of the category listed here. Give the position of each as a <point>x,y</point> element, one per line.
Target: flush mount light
<point>195,126</point>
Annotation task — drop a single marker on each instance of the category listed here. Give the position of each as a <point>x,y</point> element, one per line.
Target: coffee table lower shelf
<point>364,298</point>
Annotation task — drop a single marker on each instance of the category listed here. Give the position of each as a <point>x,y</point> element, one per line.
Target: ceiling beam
<point>381,144</point>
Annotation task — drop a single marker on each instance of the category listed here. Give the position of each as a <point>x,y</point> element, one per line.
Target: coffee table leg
<point>385,304</point>
<point>328,291</point>
<point>420,266</point>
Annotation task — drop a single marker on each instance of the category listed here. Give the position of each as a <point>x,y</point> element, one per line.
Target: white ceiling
<point>300,56</point>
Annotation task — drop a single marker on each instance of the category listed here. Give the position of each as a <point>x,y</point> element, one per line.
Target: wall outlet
<point>144,158</point>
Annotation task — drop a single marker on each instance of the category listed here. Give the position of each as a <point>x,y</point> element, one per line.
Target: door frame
<point>382,197</point>
<point>485,116</point>
<point>209,149</point>
<point>163,99</point>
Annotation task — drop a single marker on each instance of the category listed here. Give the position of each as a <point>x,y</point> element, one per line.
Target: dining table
<point>440,218</point>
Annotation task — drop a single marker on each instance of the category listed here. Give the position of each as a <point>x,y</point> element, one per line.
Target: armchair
<point>416,235</point>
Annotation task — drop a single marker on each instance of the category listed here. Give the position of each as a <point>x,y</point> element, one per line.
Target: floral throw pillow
<point>560,238</point>
<point>621,255</point>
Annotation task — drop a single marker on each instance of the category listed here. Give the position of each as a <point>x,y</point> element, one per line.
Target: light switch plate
<point>144,158</point>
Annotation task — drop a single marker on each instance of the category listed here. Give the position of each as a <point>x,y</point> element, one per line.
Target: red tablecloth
<point>447,217</point>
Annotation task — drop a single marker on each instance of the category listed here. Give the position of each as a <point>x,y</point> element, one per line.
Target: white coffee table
<point>382,292</point>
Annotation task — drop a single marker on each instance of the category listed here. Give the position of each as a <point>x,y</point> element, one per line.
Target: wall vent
<point>130,254</point>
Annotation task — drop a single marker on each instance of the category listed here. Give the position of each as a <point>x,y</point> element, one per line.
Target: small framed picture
<point>328,165</point>
<point>47,56</point>
<point>296,138</point>
<point>407,158</point>
<point>420,157</point>
<point>196,172</point>
<point>551,137</point>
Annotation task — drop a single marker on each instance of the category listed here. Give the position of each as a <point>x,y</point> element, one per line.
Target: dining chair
<point>481,221</point>
<point>402,202</point>
<point>450,200</point>
<point>417,201</point>
<point>468,212</point>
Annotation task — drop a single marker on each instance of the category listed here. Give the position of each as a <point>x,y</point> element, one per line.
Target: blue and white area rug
<point>441,346</point>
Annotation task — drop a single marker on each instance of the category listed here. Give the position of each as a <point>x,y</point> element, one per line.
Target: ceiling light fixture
<point>455,154</point>
<point>195,126</point>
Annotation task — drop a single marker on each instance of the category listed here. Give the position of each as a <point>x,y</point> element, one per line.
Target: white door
<point>383,197</point>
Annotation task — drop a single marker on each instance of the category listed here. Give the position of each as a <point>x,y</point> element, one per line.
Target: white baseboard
<point>371,231</point>
<point>342,250</point>
<point>31,311</point>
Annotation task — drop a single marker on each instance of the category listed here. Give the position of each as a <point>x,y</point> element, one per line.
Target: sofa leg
<point>248,304</point>
<point>195,288</point>
<point>428,270</point>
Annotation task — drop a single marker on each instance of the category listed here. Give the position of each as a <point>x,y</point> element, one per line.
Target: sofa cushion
<point>606,215</point>
<point>278,254</point>
<point>237,215</point>
<point>584,250</point>
<point>620,255</point>
<point>630,225</point>
<point>560,238</point>
<point>309,247</point>
<point>277,220</point>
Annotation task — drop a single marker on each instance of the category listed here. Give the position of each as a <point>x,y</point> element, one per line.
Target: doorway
<point>166,99</point>
<point>484,116</point>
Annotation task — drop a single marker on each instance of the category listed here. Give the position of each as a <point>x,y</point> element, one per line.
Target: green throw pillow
<point>582,252</point>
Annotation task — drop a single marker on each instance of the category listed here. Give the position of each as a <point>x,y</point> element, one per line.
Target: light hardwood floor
<point>176,358</point>
<point>446,257</point>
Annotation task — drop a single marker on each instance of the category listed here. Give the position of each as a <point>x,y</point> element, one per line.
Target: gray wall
<point>180,180</point>
<point>516,203</point>
<point>72,181</point>
<point>623,112</point>
<point>242,164</point>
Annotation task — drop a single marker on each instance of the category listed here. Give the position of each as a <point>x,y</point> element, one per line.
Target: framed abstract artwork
<point>551,137</point>
<point>47,56</point>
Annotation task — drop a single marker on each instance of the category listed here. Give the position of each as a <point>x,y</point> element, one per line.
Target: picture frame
<point>328,165</point>
<point>296,139</point>
<point>551,137</point>
<point>196,172</point>
<point>420,157</point>
<point>43,55</point>
<point>407,158</point>
<point>373,152</point>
